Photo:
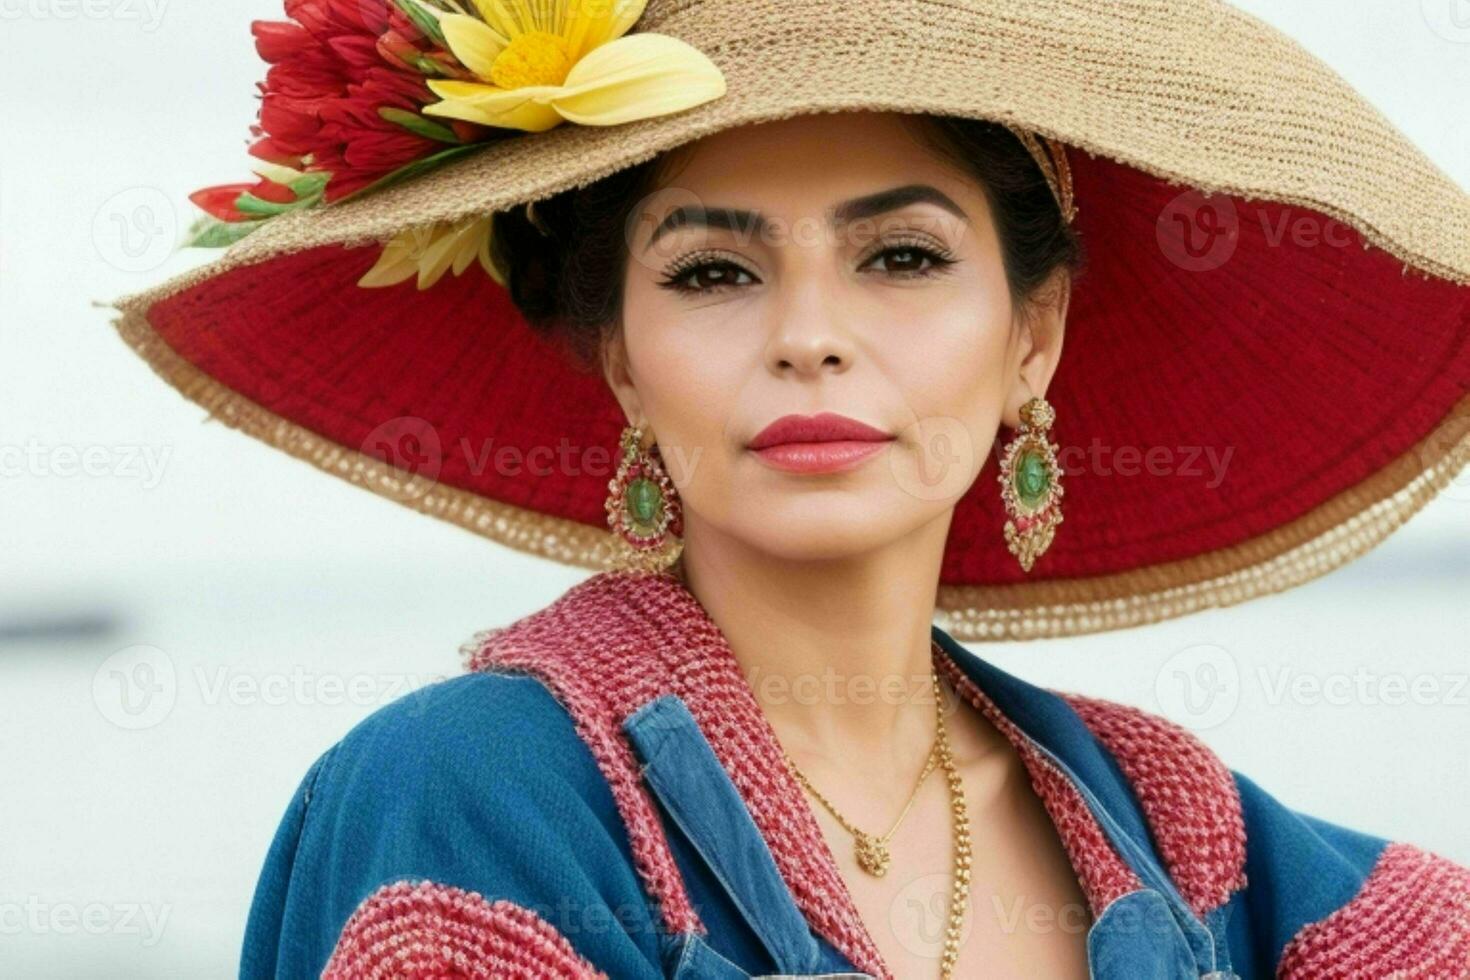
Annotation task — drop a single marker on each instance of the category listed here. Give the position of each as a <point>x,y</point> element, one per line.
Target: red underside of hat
<point>1222,375</point>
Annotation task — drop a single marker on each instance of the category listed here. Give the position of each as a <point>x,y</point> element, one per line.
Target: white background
<point>288,604</point>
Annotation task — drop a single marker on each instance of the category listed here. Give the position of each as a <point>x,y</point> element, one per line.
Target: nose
<point>809,333</point>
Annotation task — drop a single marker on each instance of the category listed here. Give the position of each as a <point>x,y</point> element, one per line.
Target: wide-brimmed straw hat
<point>1266,360</point>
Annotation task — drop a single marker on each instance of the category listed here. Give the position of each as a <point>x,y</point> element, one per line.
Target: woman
<point>748,750</point>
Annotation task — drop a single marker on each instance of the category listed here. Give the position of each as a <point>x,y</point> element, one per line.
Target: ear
<point>618,374</point>
<point>1038,348</point>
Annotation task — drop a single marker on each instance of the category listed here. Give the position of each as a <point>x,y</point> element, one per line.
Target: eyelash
<point>939,258</point>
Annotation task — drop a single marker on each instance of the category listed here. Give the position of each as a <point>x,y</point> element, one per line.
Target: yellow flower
<point>429,252</point>
<point>543,62</point>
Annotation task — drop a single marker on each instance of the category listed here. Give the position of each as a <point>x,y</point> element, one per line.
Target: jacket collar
<point>618,640</point>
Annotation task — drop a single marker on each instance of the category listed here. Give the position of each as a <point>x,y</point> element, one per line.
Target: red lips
<point>825,427</point>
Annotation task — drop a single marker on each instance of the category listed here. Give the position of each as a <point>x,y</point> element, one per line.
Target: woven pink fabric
<point>427,931</point>
<point>1188,796</point>
<point>1409,921</point>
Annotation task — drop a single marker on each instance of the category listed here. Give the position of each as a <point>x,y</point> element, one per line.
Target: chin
<point>792,535</point>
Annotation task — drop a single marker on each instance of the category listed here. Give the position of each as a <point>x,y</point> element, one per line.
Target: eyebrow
<point>868,206</point>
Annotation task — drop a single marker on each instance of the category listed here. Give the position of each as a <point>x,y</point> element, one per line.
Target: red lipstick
<point>823,443</point>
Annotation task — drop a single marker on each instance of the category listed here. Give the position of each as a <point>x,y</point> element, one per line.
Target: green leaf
<point>415,123</point>
<point>310,185</point>
<point>207,231</point>
<point>422,19</point>
<point>251,204</point>
<point>412,169</point>
<point>425,65</point>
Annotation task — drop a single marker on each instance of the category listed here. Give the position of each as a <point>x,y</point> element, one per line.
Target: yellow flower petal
<point>587,21</point>
<point>475,45</point>
<point>595,22</point>
<point>522,108</point>
<point>511,20</point>
<point>440,254</point>
<point>430,251</point>
<point>468,246</point>
<point>274,171</point>
<point>487,262</point>
<point>625,15</point>
<point>388,272</point>
<point>635,77</point>
<point>398,261</point>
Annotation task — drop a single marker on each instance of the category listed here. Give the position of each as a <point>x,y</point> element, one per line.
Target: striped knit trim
<point>1410,920</point>
<point>1188,796</point>
<point>427,931</point>
<point>1101,871</point>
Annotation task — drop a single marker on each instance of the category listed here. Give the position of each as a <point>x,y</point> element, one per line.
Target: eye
<point>904,260</point>
<point>704,274</point>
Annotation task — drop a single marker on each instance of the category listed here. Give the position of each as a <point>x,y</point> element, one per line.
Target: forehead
<point>806,163</point>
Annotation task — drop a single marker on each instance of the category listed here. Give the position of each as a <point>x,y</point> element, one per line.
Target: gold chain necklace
<point>872,852</point>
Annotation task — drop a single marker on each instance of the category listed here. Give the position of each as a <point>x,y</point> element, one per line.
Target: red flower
<point>359,145</point>
<point>220,199</point>
<point>328,78</point>
<point>326,18</point>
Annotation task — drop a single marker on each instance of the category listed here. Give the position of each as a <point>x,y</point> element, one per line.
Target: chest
<point>1025,915</point>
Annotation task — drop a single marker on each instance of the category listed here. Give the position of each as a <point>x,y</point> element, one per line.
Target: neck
<point>837,652</point>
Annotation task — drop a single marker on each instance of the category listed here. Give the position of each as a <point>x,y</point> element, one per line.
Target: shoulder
<point>486,749</point>
<point>468,810</point>
<point>1332,900</point>
<point>462,737</point>
<point>1306,897</point>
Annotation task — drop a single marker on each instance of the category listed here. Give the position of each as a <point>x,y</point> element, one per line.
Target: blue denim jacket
<point>521,818</point>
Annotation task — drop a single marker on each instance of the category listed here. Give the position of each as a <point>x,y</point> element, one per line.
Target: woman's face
<point>822,264</point>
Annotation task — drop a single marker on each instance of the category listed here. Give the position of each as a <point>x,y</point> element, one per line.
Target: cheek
<point>956,363</point>
<point>954,377</point>
<point>689,380</point>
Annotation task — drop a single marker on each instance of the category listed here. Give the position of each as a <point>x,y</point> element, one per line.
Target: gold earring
<point>643,508</point>
<point>1031,487</point>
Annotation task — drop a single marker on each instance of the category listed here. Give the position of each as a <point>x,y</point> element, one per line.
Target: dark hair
<point>568,284</point>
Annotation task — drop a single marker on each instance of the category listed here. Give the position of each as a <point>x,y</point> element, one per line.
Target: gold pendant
<point>872,855</point>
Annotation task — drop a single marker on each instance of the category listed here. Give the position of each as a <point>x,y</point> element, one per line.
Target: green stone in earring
<point>644,501</point>
<point>1032,478</point>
